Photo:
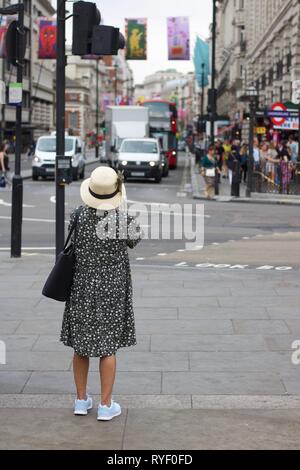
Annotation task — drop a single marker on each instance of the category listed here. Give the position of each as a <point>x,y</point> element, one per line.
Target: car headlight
<point>124,162</point>
<point>152,163</point>
<point>174,153</point>
<point>37,159</point>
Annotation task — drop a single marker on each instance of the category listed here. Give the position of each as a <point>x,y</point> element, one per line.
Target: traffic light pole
<point>17,181</point>
<point>97,108</point>
<point>60,122</point>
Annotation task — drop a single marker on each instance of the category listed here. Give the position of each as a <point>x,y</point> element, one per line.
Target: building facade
<point>273,48</point>
<point>38,80</point>
<point>258,44</point>
<point>231,56</point>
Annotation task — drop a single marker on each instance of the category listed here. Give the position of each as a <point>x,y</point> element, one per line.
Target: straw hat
<point>104,190</point>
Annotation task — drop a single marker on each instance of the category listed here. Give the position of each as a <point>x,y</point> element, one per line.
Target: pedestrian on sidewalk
<point>233,163</point>
<point>244,162</point>
<point>209,171</point>
<point>3,169</point>
<point>98,317</point>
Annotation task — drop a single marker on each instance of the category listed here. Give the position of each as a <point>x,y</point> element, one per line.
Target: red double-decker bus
<point>163,126</point>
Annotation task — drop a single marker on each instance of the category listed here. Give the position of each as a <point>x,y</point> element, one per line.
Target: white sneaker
<point>106,413</point>
<point>82,407</point>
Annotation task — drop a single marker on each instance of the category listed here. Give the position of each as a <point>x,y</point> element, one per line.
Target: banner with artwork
<point>47,38</point>
<point>202,62</point>
<point>3,30</point>
<point>136,39</point>
<point>178,38</point>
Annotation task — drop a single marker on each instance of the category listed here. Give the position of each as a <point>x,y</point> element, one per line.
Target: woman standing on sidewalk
<point>98,317</point>
<point>208,171</point>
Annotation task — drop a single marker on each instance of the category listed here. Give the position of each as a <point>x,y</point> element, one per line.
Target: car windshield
<point>139,146</point>
<point>49,145</point>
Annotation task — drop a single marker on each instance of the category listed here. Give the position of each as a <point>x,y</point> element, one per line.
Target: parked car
<point>141,158</point>
<point>43,163</point>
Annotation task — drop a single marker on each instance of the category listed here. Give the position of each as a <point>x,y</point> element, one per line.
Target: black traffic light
<point>89,37</point>
<point>12,37</point>
<point>107,40</point>
<point>85,17</point>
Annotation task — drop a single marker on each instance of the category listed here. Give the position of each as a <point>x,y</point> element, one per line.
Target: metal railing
<point>276,178</point>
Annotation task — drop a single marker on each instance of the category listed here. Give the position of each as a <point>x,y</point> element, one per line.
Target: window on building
<point>263,82</point>
<point>271,76</point>
<point>289,60</point>
<point>73,119</point>
<point>279,70</point>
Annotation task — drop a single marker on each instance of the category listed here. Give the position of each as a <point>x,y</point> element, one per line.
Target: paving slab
<point>271,327</point>
<point>228,383</point>
<point>184,327</point>
<point>32,360</point>
<point>242,361</point>
<point>127,383</point>
<point>223,313</point>
<point>152,361</point>
<point>212,430</point>
<point>13,382</point>
<point>208,343</point>
<point>58,429</point>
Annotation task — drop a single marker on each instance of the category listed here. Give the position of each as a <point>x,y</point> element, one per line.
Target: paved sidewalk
<point>198,187</point>
<point>212,368</point>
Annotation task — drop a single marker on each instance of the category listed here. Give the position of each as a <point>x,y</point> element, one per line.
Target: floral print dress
<point>98,317</point>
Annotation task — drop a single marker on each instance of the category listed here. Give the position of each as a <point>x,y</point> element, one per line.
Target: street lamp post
<point>116,83</point>
<point>202,96</point>
<point>213,91</point>
<point>252,94</point>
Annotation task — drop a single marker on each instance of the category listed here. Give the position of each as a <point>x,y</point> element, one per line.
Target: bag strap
<point>73,227</point>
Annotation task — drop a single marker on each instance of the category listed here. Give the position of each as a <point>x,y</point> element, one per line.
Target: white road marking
<point>31,248</point>
<point>140,259</point>
<point>29,219</point>
<point>53,200</point>
<point>180,251</point>
<point>162,254</point>
<point>8,204</point>
<point>181,264</point>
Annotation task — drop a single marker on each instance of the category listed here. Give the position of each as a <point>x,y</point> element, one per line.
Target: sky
<point>115,11</point>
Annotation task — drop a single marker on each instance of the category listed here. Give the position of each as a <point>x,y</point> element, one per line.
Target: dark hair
<point>2,147</point>
<point>211,147</point>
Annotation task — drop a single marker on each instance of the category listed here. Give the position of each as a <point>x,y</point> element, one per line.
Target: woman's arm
<point>2,166</point>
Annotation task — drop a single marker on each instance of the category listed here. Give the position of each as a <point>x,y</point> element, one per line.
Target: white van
<point>43,163</point>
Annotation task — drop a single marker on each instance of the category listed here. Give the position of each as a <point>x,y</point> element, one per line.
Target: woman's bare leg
<point>107,377</point>
<point>80,371</point>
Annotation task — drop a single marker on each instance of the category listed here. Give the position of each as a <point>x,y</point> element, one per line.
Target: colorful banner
<point>201,62</point>
<point>136,39</point>
<point>3,30</point>
<point>179,38</point>
<point>47,38</point>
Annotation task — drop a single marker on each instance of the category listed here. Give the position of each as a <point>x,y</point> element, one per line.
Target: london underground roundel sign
<point>278,114</point>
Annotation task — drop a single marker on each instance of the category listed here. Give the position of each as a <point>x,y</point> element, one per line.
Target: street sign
<point>2,92</point>
<point>278,114</point>
<point>260,130</point>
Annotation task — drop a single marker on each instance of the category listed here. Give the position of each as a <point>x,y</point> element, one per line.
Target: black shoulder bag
<point>59,283</point>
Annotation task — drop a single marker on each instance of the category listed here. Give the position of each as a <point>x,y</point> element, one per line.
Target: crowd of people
<point>274,164</point>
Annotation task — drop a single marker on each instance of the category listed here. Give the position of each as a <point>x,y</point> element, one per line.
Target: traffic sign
<point>278,114</point>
